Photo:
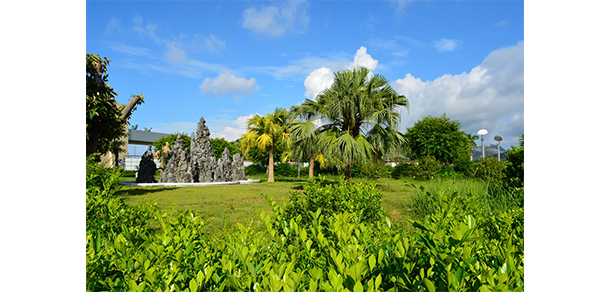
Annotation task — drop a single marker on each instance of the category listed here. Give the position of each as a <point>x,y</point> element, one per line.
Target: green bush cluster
<point>425,169</point>
<point>362,201</point>
<point>514,167</point>
<point>374,170</point>
<point>490,170</point>
<point>253,169</point>
<point>457,247</point>
<point>129,173</point>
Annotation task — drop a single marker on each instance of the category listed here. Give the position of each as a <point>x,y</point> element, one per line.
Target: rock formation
<point>224,166</point>
<point>146,172</point>
<point>200,164</point>
<point>238,170</point>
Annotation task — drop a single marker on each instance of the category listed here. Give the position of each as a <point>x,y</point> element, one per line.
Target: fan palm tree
<point>358,115</point>
<point>304,146</point>
<point>265,133</point>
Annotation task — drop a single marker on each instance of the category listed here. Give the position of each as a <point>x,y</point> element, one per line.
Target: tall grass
<point>493,195</point>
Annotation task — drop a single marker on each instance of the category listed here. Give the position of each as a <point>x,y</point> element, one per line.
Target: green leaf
<point>200,277</point>
<point>429,285</point>
<point>193,285</point>
<point>378,281</point>
<point>358,287</point>
<point>372,262</point>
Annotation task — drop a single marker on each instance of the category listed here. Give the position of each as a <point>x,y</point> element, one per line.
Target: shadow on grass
<point>142,191</point>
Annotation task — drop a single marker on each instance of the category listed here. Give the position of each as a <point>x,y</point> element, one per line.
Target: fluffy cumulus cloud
<point>446,45</point>
<point>322,78</point>
<point>317,81</point>
<point>276,20</point>
<point>363,59</point>
<point>228,84</point>
<point>231,130</point>
<point>490,96</point>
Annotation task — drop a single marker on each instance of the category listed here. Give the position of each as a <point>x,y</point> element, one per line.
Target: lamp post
<point>482,133</point>
<point>498,138</point>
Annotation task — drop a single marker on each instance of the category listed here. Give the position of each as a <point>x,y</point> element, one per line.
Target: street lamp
<point>498,138</point>
<point>482,133</point>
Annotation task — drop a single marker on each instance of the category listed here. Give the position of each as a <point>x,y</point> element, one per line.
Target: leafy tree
<point>439,137</point>
<point>359,117</point>
<point>266,133</point>
<point>106,119</point>
<point>219,145</point>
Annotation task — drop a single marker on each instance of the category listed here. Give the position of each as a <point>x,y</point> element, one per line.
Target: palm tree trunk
<point>311,162</point>
<point>270,168</point>
<point>348,172</point>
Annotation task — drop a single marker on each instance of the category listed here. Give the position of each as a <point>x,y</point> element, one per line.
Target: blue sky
<point>228,60</point>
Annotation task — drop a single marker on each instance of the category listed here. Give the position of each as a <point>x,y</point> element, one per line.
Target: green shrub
<point>402,170</point>
<point>490,170</point>
<point>427,168</point>
<point>129,173</point>
<point>329,238</point>
<point>285,169</point>
<point>377,170</point>
<point>514,168</point>
<point>363,201</point>
<point>253,169</point>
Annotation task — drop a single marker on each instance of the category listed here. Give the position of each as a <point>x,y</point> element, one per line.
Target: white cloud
<point>174,53</point>
<point>232,130</point>
<point>226,84</point>
<point>274,21</point>
<point>322,78</point>
<point>490,96</point>
<point>400,5</point>
<point>317,81</point>
<point>362,59</point>
<point>446,45</point>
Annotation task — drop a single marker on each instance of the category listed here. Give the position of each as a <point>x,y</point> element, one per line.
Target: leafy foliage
<point>219,145</point>
<point>488,170</point>
<point>439,137</point>
<point>361,201</point>
<point>514,168</point>
<point>323,240</point>
<point>255,169</point>
<point>105,120</point>
<point>171,139</point>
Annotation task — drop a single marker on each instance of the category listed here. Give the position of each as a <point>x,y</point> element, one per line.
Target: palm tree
<point>266,133</point>
<point>304,146</point>
<point>359,117</point>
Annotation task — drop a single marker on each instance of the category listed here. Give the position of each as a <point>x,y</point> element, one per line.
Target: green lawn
<point>229,204</point>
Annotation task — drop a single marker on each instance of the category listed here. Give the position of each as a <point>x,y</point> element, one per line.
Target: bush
<point>253,169</point>
<point>514,174</point>
<point>328,238</point>
<point>285,169</point>
<point>129,173</point>
<point>427,168</point>
<point>377,170</point>
<point>402,170</point>
<point>490,170</point>
<point>363,201</point>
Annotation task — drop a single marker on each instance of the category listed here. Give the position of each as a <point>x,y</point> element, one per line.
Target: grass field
<point>226,205</point>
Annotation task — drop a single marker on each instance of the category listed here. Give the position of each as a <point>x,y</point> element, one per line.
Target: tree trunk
<point>270,167</point>
<point>311,162</point>
<point>126,112</point>
<point>347,172</point>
